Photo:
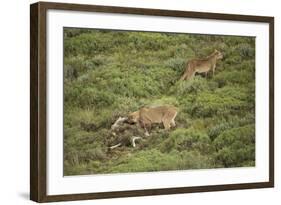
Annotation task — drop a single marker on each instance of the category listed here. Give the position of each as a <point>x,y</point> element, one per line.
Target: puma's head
<point>218,54</point>
<point>133,117</point>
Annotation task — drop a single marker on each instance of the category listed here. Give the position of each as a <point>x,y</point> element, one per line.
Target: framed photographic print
<point>134,102</point>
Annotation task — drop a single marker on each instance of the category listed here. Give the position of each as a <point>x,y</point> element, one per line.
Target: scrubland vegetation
<point>108,74</point>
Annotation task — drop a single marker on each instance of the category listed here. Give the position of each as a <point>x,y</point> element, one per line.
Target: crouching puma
<point>147,116</point>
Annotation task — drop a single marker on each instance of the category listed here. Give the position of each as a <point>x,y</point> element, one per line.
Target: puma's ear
<point>216,51</point>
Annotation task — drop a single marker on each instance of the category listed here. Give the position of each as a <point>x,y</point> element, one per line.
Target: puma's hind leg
<point>184,76</point>
<point>168,121</point>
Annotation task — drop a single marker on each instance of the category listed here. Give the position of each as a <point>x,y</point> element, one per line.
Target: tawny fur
<point>147,116</point>
<point>201,65</point>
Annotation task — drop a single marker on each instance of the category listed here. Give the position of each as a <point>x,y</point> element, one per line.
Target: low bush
<point>187,139</point>
<point>236,146</point>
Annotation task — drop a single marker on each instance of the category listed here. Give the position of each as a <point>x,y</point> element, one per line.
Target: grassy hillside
<point>108,74</point>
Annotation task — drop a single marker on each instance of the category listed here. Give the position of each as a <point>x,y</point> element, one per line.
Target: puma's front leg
<point>147,129</point>
<point>143,125</point>
<point>166,125</point>
<point>213,69</point>
<point>146,132</point>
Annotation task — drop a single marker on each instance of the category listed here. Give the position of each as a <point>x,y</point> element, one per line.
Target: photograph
<point>143,101</point>
<point>129,101</point>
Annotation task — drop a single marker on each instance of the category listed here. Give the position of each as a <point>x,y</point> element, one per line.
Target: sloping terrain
<point>110,74</point>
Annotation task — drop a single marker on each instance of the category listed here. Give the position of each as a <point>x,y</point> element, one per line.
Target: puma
<point>201,65</point>
<point>147,116</point>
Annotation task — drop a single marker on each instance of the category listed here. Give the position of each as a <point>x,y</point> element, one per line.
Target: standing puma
<point>147,116</point>
<point>201,65</point>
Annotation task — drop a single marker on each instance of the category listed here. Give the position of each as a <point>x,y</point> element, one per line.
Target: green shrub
<point>246,50</point>
<point>193,86</point>
<point>177,64</point>
<point>222,102</point>
<point>73,32</point>
<point>235,146</point>
<point>239,74</point>
<point>187,139</point>
<point>222,124</point>
<point>153,160</point>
